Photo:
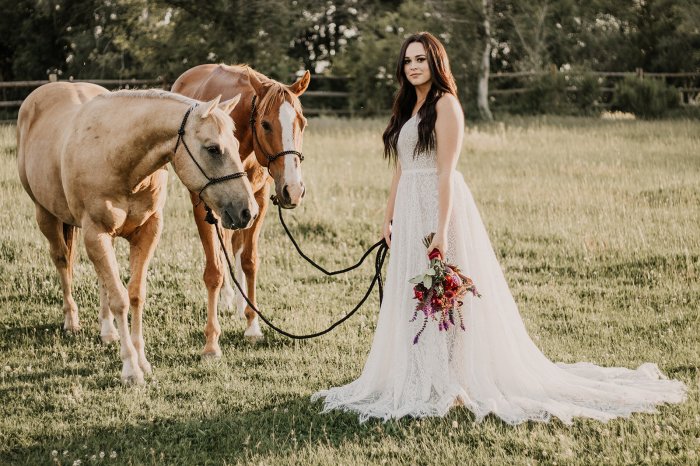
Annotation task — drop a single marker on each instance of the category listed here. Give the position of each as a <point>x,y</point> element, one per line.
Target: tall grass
<point>595,224</point>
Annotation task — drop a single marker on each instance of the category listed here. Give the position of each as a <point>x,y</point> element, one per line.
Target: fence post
<point>53,77</point>
<point>640,73</point>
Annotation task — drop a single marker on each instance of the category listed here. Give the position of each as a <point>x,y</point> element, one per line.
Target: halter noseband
<point>270,158</point>
<point>210,181</point>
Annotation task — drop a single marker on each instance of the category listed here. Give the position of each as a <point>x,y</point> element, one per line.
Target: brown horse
<point>97,160</point>
<point>271,145</point>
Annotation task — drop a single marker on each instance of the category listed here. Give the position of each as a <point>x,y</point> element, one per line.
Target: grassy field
<point>596,226</point>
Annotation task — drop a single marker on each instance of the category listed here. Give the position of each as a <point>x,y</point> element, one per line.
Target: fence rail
<point>326,98</point>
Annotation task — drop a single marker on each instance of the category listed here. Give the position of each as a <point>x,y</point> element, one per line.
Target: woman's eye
<point>214,150</point>
<point>266,126</point>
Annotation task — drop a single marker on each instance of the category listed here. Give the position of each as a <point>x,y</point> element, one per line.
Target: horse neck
<point>244,131</point>
<point>151,136</point>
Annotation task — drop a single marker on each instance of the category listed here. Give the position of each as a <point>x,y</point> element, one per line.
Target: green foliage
<point>595,226</point>
<point>586,94</point>
<point>359,39</point>
<point>646,98</point>
<point>570,93</point>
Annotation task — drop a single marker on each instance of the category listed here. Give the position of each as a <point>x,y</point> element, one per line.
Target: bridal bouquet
<point>440,292</point>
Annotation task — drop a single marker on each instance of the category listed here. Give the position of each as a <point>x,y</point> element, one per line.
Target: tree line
<point>355,38</point>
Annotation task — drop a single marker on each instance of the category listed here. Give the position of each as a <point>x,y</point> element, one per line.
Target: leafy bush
<point>544,94</point>
<point>587,92</point>
<point>560,94</point>
<point>646,98</point>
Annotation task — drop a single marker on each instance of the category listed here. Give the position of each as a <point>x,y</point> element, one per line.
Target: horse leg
<point>213,277</point>
<point>142,244</point>
<point>249,263</point>
<point>100,250</point>
<point>238,243</point>
<point>61,245</point>
<point>108,332</point>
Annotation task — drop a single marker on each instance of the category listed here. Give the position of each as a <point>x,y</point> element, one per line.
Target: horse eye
<point>214,150</point>
<point>266,126</point>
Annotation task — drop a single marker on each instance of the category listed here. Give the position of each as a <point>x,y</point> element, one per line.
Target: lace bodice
<point>408,138</point>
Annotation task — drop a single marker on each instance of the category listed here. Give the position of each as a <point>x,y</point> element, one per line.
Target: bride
<point>493,366</point>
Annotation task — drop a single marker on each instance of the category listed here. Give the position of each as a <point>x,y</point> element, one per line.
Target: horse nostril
<point>285,193</point>
<point>303,190</point>
<point>245,216</point>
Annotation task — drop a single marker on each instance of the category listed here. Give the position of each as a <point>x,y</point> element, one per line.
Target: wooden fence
<point>326,93</point>
<point>329,94</point>
<point>686,83</point>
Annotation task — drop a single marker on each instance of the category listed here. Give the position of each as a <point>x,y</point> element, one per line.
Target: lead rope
<point>382,249</point>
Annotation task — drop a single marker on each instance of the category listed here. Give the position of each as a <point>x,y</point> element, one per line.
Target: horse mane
<point>274,97</point>
<point>276,92</point>
<point>148,94</point>
<point>163,94</point>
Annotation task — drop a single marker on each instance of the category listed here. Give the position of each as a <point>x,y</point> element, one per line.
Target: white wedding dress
<point>493,367</point>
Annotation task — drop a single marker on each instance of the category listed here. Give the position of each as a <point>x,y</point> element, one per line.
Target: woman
<point>493,366</point>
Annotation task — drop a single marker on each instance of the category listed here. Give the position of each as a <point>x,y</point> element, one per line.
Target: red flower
<point>434,254</point>
<point>418,294</point>
<point>449,294</point>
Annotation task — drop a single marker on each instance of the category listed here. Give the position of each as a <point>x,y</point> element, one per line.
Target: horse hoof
<point>253,339</point>
<point>211,354</point>
<point>136,379</point>
<point>109,338</point>
<point>71,330</point>
<point>146,367</point>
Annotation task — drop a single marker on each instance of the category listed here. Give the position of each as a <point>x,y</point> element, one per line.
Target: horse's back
<point>44,122</point>
<point>205,82</point>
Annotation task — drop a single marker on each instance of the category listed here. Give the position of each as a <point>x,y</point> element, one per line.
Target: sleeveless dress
<point>493,366</point>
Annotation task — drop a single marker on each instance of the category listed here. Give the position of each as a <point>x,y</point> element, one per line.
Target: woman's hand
<point>440,243</point>
<point>386,232</point>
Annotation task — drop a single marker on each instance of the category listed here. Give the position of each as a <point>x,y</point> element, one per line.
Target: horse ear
<point>302,83</point>
<point>210,106</point>
<point>256,83</point>
<point>230,104</point>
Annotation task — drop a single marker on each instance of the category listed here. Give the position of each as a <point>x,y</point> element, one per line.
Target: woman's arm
<point>389,214</point>
<point>449,131</point>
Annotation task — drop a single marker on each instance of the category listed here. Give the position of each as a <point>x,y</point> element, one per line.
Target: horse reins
<point>381,246</point>
<point>382,249</point>
<point>180,138</point>
<point>270,158</point>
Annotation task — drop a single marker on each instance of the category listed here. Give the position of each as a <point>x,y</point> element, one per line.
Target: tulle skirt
<point>493,367</point>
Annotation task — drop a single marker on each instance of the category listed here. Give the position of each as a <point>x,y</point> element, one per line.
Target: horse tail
<point>70,236</point>
<point>26,116</point>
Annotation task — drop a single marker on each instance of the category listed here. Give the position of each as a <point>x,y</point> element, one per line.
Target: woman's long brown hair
<point>442,83</point>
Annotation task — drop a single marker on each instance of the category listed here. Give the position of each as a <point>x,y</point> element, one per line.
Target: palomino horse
<point>269,125</point>
<point>97,160</point>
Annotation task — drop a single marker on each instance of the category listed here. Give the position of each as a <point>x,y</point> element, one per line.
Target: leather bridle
<point>270,158</point>
<point>210,180</point>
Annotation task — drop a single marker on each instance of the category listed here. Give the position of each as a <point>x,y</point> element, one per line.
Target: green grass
<point>596,226</point>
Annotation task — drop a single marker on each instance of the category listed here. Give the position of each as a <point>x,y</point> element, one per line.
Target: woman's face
<point>415,64</point>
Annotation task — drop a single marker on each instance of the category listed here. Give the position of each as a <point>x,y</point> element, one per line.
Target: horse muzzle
<point>291,196</point>
<point>236,218</point>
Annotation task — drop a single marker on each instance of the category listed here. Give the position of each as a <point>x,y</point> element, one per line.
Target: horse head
<point>209,163</point>
<point>277,124</point>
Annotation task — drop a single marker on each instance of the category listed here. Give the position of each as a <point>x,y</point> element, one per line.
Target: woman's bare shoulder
<point>448,104</point>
